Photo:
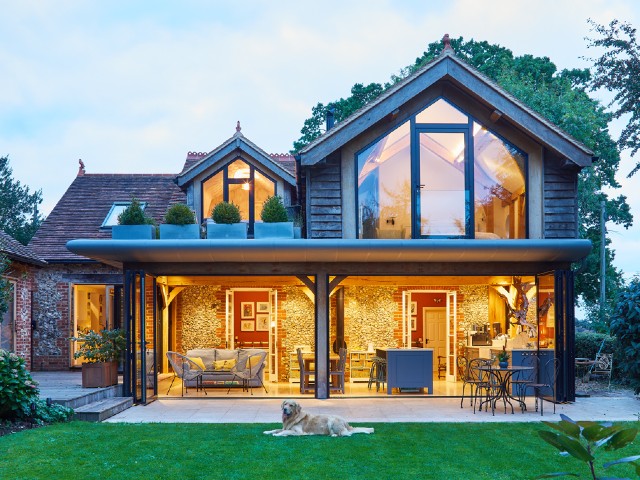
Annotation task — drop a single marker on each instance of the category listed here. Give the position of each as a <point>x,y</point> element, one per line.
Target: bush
<point>105,346</point>
<point>179,214</point>
<point>46,412</point>
<point>134,215</point>
<point>625,325</point>
<point>226,213</point>
<point>17,389</point>
<point>273,210</point>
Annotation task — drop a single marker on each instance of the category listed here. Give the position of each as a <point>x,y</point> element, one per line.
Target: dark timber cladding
<point>325,202</point>
<point>560,199</point>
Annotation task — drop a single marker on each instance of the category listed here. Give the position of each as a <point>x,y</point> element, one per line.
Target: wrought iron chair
<point>477,380</point>
<point>523,379</point>
<point>378,372</point>
<point>249,372</point>
<point>603,366</point>
<point>305,375</point>
<point>339,371</point>
<point>185,369</point>
<point>544,389</point>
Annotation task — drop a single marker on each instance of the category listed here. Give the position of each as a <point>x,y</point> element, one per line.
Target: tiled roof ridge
<point>129,175</point>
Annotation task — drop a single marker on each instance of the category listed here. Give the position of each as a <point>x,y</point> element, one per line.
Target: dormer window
<point>441,175</point>
<point>116,209</point>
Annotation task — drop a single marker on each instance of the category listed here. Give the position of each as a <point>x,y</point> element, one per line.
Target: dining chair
<point>305,375</point>
<point>338,373</point>
<point>602,366</point>
<point>475,378</point>
<point>524,378</point>
<point>544,388</point>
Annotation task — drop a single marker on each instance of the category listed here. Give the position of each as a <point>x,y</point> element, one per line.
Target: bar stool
<point>378,372</point>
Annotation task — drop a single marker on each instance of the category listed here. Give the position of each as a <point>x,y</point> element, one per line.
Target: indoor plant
<point>134,224</point>
<point>503,358</point>
<point>226,222</point>
<point>179,222</point>
<point>100,351</point>
<point>275,220</point>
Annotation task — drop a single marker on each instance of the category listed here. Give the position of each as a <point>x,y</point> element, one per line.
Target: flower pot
<point>169,231</point>
<point>504,364</point>
<point>133,232</point>
<point>273,230</point>
<point>99,374</point>
<point>226,230</point>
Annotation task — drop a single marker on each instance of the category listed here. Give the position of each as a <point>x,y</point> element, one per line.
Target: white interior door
<point>435,328</point>
<point>406,319</point>
<point>229,320</point>
<point>273,337</point>
<point>452,341</point>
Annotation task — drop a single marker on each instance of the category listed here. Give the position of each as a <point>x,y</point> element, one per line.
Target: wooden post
<point>322,335</point>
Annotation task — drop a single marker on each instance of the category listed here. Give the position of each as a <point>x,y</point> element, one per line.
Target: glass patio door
<point>140,370</point>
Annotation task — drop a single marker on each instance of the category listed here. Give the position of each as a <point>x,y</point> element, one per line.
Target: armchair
<point>249,371</point>
<point>185,369</point>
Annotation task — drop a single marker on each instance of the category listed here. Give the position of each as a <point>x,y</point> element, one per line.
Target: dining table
<point>500,381</point>
<point>309,359</point>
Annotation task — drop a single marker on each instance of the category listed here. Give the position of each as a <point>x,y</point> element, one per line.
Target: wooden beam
<point>308,282</point>
<point>335,282</point>
<point>322,335</point>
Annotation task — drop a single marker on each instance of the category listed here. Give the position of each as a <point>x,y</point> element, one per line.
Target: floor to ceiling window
<point>441,175</point>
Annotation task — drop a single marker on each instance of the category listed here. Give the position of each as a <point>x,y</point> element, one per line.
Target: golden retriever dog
<point>295,421</point>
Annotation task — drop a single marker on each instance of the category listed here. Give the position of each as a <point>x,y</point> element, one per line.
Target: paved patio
<point>398,408</point>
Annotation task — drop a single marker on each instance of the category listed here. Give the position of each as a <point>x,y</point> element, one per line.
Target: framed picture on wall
<point>247,310</point>
<point>247,325</point>
<point>262,322</point>
<point>414,308</point>
<point>262,307</point>
<point>414,324</point>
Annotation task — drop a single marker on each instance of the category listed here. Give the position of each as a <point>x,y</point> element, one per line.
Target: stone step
<point>78,397</point>
<point>102,409</point>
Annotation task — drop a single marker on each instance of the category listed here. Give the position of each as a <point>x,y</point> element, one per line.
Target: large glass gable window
<point>241,183</point>
<point>441,175</point>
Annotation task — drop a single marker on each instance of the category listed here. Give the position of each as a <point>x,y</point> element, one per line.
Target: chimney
<point>330,117</point>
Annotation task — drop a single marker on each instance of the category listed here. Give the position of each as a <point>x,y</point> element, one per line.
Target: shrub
<point>17,389</point>
<point>226,212</point>
<point>273,210</point>
<point>134,215</point>
<point>43,411</point>
<point>105,346</point>
<point>625,325</point>
<point>179,214</point>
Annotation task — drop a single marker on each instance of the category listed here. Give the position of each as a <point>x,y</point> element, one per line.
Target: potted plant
<point>503,358</point>
<point>133,224</point>
<point>100,351</point>
<point>275,220</point>
<point>179,222</point>
<point>226,222</point>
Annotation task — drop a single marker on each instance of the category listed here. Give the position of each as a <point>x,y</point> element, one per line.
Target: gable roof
<point>84,206</point>
<point>448,67</point>
<point>281,165</point>
<point>18,252</point>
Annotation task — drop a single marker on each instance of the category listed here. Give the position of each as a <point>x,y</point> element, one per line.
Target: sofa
<point>218,363</point>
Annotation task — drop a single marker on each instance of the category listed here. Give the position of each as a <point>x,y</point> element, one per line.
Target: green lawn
<point>80,450</point>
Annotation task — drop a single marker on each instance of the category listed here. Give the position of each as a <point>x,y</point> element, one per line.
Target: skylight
<point>116,209</point>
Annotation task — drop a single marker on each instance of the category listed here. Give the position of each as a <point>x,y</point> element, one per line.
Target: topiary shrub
<point>625,325</point>
<point>134,215</point>
<point>273,210</point>
<point>226,213</point>
<point>17,389</point>
<point>179,214</point>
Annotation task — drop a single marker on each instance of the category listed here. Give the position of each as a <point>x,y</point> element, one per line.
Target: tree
<point>625,325</point>
<point>19,216</point>
<point>562,97</point>
<point>618,70</point>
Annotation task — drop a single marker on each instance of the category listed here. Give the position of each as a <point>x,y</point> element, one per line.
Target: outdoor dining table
<point>502,386</point>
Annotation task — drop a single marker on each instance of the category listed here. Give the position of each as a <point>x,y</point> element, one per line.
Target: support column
<point>322,335</point>
<point>565,335</point>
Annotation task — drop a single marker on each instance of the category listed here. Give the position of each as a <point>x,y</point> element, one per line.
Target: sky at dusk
<point>131,87</point>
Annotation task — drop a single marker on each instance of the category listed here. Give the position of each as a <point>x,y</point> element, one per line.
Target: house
<point>442,218</point>
<point>16,328</point>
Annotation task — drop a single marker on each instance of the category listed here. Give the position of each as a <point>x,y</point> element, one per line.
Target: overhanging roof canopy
<point>119,252</point>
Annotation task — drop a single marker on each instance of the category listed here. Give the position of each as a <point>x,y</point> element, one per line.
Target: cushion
<point>224,364</point>
<point>198,361</point>
<point>253,361</point>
